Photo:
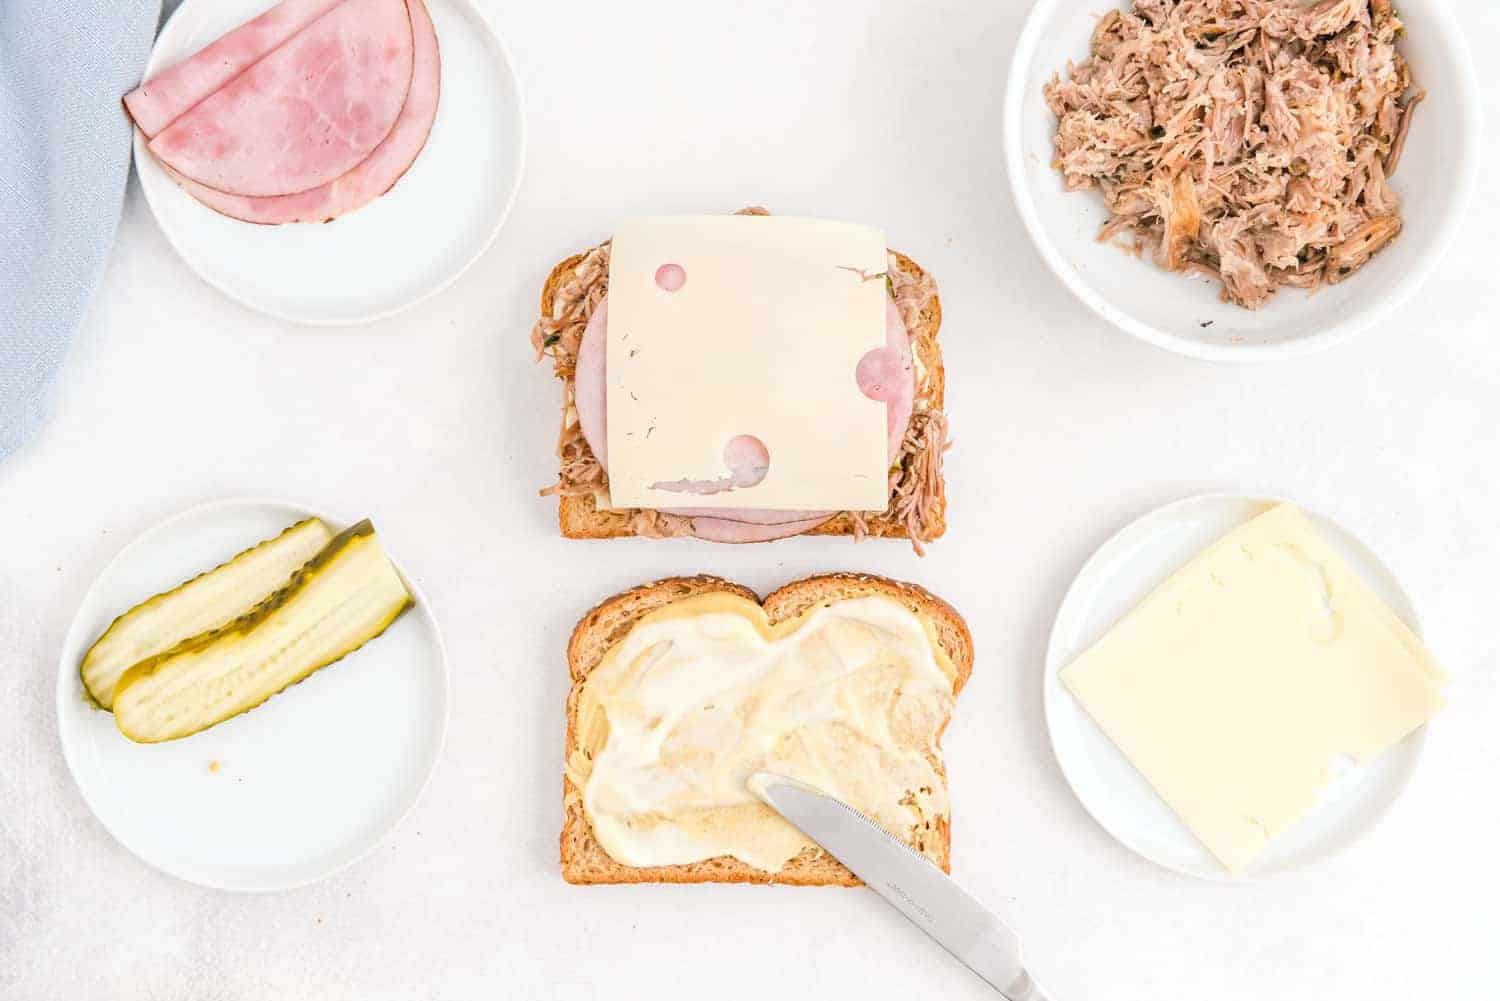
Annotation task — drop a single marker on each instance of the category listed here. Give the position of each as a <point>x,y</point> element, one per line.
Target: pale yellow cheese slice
<point>1238,683</point>
<point>759,335</point>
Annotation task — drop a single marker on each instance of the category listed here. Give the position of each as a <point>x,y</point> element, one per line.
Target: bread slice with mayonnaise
<point>921,817</point>
<point>917,507</point>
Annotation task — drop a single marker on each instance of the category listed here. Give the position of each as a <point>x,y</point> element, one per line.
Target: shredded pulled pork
<point>916,475</point>
<point>912,292</point>
<point>559,334</point>
<point>1251,140</point>
<point>917,482</point>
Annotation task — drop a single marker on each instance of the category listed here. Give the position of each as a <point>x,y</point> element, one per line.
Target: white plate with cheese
<point>1246,691</point>
<point>289,792</point>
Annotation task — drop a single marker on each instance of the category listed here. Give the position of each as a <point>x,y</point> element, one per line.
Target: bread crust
<point>584,860</point>
<point>578,516</point>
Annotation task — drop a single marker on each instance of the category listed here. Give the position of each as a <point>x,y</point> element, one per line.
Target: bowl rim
<point>1469,139</point>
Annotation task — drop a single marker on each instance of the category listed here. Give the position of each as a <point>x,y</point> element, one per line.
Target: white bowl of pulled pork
<point>1242,180</point>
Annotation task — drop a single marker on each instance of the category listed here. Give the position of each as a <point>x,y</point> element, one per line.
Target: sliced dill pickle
<point>344,597</point>
<point>208,601</point>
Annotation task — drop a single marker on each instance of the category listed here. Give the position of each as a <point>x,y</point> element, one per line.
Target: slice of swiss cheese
<point>1237,684</point>
<point>757,332</point>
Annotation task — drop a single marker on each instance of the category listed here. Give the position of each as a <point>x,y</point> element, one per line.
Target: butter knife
<point>909,882</point>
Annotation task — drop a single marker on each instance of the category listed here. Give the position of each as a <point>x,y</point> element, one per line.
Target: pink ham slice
<point>884,374</point>
<point>590,384</point>
<point>750,516</point>
<point>159,101</point>
<point>306,113</point>
<point>370,179</point>
<point>731,530</point>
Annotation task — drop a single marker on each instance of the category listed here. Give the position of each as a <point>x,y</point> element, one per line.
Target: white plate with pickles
<point>252,694</point>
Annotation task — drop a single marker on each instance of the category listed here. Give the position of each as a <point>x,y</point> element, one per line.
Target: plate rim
<point>67,688</point>
<point>1051,668</point>
<point>499,47</point>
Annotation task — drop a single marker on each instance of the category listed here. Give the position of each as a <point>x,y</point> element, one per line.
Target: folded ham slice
<point>159,101</point>
<point>304,114</point>
<point>730,530</point>
<point>750,516</point>
<point>368,180</point>
<point>590,386</point>
<point>885,374</point>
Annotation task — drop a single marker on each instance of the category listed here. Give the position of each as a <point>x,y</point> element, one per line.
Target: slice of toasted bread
<point>579,516</point>
<point>584,860</point>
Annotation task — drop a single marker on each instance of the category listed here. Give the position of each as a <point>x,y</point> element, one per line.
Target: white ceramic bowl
<point>1183,313</point>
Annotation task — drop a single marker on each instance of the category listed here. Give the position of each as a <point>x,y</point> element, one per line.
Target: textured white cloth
<point>64,159</point>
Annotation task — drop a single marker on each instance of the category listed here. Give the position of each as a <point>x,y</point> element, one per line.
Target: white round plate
<point>1437,177</point>
<point>404,246</point>
<point>1117,577</point>
<point>287,793</point>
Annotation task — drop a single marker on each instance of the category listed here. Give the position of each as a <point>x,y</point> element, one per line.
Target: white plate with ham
<point>329,162</point>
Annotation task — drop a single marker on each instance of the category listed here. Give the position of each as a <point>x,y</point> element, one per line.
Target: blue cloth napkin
<point>64,159</point>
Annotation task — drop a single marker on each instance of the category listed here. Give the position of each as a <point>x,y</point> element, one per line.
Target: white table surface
<point>438,424</point>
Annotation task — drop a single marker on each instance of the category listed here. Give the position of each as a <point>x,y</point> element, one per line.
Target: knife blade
<point>908,880</point>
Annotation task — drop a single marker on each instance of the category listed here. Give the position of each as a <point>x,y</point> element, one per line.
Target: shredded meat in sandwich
<point>1251,140</point>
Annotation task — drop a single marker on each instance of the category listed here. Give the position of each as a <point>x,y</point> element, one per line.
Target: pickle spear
<point>206,602</point>
<point>344,597</point>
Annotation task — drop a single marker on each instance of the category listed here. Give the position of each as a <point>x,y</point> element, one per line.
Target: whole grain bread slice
<point>580,517</point>
<point>584,860</point>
